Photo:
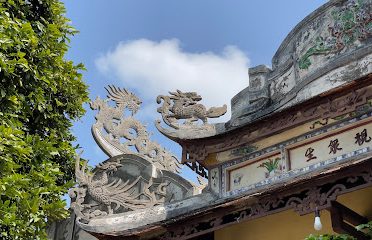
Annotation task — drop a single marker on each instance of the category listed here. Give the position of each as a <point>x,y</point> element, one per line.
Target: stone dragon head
<point>123,98</point>
<point>187,98</point>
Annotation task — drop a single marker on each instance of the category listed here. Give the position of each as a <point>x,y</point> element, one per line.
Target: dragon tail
<point>215,112</point>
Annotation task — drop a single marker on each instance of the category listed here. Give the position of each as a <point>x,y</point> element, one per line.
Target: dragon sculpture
<point>139,174</point>
<point>117,133</point>
<point>115,192</point>
<point>184,106</point>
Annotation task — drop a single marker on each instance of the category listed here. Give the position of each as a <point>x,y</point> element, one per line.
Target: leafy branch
<point>366,228</point>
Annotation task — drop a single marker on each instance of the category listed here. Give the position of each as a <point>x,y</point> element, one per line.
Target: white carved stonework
<point>345,28</point>
<point>334,78</point>
<point>139,174</point>
<point>117,133</point>
<point>108,191</point>
<point>184,106</point>
<point>329,48</point>
<point>283,84</point>
<point>215,180</point>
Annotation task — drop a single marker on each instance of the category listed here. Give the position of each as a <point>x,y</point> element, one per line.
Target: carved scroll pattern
<point>303,199</point>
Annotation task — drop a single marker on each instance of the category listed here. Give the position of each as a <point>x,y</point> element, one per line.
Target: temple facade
<point>298,148</point>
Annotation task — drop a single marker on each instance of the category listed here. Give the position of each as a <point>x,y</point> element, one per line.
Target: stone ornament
<point>125,183</point>
<point>117,133</point>
<point>348,24</point>
<point>139,174</point>
<point>184,106</point>
<point>329,48</point>
<point>108,193</point>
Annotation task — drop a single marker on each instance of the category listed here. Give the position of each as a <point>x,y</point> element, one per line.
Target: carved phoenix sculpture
<point>105,193</point>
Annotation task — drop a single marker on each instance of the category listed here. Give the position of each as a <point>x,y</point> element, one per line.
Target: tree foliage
<point>365,228</point>
<point>40,94</point>
<point>330,237</point>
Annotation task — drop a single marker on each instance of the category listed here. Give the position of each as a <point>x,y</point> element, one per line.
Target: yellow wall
<point>289,225</point>
<point>360,201</point>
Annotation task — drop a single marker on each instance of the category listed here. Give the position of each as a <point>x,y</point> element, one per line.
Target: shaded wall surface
<point>68,230</point>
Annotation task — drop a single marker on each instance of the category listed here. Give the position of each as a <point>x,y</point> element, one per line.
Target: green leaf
<point>42,92</point>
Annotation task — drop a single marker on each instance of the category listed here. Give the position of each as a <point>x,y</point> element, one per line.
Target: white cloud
<point>154,68</point>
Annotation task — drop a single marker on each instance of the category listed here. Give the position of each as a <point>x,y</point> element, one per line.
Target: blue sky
<point>151,47</point>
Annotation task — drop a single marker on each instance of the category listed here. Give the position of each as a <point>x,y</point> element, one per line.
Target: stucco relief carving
<point>348,24</point>
<point>327,49</point>
<point>181,111</point>
<point>117,133</point>
<point>255,97</point>
<point>139,173</point>
<point>109,194</point>
<point>215,180</point>
<point>283,84</point>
